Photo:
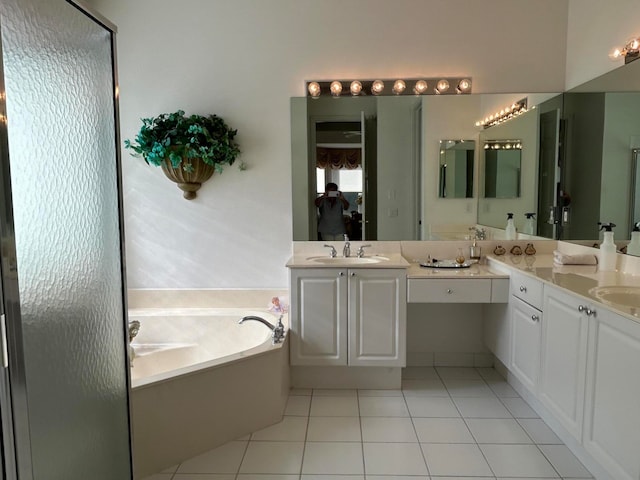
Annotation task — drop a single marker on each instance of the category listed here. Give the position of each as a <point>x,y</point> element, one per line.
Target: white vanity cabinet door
<point>319,316</point>
<point>612,404</point>
<point>563,358</point>
<point>377,317</point>
<point>525,343</point>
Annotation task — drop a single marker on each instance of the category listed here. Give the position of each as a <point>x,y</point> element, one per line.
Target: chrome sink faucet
<point>360,252</point>
<point>333,252</point>
<point>346,250</point>
<point>278,330</point>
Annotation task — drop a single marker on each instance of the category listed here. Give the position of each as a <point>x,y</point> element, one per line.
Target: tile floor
<point>445,424</point>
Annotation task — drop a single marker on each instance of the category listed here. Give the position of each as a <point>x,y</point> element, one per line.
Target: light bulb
<point>314,89</point>
<point>633,44</point>
<point>336,88</point>
<point>486,146</point>
<point>355,87</point>
<point>464,86</point>
<point>399,87</point>
<point>442,86</point>
<point>420,87</point>
<point>377,87</point>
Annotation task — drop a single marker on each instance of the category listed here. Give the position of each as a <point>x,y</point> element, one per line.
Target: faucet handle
<point>333,252</point>
<point>361,248</point>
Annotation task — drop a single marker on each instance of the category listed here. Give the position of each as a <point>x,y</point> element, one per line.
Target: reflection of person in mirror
<point>331,205</point>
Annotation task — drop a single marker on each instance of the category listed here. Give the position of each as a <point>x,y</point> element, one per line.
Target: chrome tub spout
<point>278,330</point>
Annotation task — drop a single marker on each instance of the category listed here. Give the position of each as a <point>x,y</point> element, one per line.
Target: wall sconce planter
<point>190,174</point>
<point>189,149</point>
<point>412,86</point>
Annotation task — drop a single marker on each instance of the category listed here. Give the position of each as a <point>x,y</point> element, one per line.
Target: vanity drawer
<point>446,290</point>
<point>527,289</point>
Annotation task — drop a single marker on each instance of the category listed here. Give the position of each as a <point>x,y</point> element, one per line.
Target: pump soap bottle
<point>529,226</point>
<point>510,231</point>
<point>607,257</point>
<point>634,245</point>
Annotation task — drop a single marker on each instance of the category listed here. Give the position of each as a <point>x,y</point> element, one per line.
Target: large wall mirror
<point>576,161</point>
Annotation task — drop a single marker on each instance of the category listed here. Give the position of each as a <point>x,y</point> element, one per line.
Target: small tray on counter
<point>446,264</point>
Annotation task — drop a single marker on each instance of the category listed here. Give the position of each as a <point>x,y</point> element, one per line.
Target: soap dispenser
<point>607,257</point>
<point>529,225</point>
<point>634,245</point>
<point>510,231</point>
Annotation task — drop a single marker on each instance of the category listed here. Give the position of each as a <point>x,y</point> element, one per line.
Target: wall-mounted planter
<point>189,175</point>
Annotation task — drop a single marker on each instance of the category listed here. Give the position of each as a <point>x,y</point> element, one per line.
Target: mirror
<point>456,168</point>
<point>576,161</point>
<point>502,168</point>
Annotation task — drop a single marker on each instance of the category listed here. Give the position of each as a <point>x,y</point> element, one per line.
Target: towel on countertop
<point>560,258</point>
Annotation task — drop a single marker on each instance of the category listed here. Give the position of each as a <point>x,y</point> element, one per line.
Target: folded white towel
<point>560,258</point>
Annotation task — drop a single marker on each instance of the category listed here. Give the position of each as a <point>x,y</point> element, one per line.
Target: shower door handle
<point>3,339</point>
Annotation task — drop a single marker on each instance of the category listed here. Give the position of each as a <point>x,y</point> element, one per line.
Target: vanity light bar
<point>413,86</point>
<point>503,145</point>
<point>630,52</point>
<point>513,110</point>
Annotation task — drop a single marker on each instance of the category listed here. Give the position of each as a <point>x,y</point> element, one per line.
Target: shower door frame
<point>14,416</point>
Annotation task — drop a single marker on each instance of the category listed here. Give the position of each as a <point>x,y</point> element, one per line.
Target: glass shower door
<point>62,253</point>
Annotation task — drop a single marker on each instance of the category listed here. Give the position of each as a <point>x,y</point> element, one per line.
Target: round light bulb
<point>633,44</point>
<point>399,87</point>
<point>377,87</point>
<point>336,88</point>
<point>464,86</point>
<point>420,87</point>
<point>442,86</point>
<point>355,87</point>
<point>314,89</point>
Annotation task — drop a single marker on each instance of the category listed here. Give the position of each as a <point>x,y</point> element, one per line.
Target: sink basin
<point>620,296</point>
<point>348,260</point>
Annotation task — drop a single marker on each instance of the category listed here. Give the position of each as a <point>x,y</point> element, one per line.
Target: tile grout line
<point>364,465</point>
<point>415,431</point>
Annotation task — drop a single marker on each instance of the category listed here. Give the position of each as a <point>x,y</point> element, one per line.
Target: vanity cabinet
<point>612,402</point>
<point>563,357</point>
<point>354,317</point>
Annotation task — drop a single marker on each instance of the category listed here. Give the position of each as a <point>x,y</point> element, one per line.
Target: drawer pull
<point>535,318</point>
<point>523,289</point>
<point>449,291</point>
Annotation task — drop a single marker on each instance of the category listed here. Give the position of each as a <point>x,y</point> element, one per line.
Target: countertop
<point>575,279</point>
<point>395,260</point>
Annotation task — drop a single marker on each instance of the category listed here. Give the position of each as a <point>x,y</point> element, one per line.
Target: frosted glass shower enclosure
<point>64,381</point>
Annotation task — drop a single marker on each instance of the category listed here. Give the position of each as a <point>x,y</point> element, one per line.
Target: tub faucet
<point>278,330</point>
<point>134,328</point>
<point>346,251</point>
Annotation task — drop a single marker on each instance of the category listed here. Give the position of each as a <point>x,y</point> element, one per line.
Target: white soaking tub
<point>200,379</point>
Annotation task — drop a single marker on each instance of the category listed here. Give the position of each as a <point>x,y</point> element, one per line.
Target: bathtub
<point>199,379</point>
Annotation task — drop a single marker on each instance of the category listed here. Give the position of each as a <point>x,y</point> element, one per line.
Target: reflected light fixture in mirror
<point>398,87</point>
<point>505,114</point>
<point>630,51</point>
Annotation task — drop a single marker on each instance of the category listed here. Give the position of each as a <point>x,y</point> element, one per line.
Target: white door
<point>612,409</point>
<point>525,343</point>
<point>318,316</point>
<point>564,358</point>
<point>377,317</point>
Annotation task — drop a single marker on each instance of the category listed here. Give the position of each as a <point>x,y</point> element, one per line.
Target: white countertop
<point>305,260</point>
<point>575,279</point>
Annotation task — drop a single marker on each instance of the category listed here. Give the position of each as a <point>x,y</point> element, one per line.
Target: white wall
<point>595,28</point>
<point>243,60</point>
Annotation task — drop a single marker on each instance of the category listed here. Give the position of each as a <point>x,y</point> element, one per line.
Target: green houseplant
<point>189,149</point>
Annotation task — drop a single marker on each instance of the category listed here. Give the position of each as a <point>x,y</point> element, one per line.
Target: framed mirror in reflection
<point>502,168</point>
<point>456,169</point>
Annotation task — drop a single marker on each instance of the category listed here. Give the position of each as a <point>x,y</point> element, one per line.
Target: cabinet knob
<point>353,274</point>
<point>535,318</point>
<point>581,308</point>
<point>449,291</point>
<point>341,274</point>
<point>591,312</point>
<point>523,288</point>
